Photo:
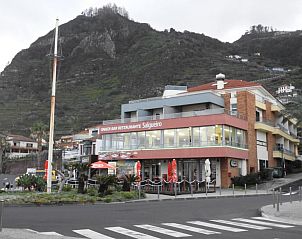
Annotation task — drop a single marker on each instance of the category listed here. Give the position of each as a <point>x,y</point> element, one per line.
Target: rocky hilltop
<point>108,60</point>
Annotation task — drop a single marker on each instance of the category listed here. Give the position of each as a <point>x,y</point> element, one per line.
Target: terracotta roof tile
<point>20,138</point>
<point>230,84</point>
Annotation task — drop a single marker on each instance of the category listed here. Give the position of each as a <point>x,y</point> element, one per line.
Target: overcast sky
<point>23,21</point>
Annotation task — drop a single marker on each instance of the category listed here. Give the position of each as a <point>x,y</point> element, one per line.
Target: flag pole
<point>52,110</point>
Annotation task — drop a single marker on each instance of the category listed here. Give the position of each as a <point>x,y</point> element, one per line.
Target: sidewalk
<point>288,212</point>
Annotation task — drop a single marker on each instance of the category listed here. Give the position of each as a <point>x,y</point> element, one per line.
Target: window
<point>257,116</point>
<point>94,132</point>
<point>196,136</point>
<point>218,134</point>
<point>169,138</point>
<point>153,139</point>
<point>126,141</point>
<point>183,137</point>
<point>203,136</point>
<point>141,139</point>
<point>211,135</point>
<point>133,140</point>
<point>234,109</point>
<point>29,145</point>
<point>226,130</point>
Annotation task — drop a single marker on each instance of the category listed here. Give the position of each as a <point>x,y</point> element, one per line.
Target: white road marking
<point>262,223</point>
<point>272,220</point>
<point>206,224</point>
<point>91,234</point>
<point>192,229</point>
<point>163,230</point>
<point>287,194</point>
<point>50,233</point>
<point>239,224</point>
<point>45,233</point>
<point>130,233</point>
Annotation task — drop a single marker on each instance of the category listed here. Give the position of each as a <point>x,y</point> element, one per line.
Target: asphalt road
<point>65,219</point>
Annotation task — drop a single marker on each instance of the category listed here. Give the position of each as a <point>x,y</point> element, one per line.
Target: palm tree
<point>4,147</point>
<point>39,132</point>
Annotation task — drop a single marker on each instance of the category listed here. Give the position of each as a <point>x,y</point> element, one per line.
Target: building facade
<point>20,146</point>
<point>238,125</point>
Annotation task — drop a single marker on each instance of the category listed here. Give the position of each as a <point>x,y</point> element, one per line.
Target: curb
<point>278,218</point>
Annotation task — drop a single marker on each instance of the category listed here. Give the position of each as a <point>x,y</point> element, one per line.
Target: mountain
<point>108,60</point>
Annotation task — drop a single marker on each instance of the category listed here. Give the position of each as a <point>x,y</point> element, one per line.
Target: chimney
<point>220,81</point>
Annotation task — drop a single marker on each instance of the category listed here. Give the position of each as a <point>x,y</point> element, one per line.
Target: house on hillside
<point>286,93</point>
<point>20,146</point>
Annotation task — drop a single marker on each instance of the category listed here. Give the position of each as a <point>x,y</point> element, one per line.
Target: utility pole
<point>52,109</point>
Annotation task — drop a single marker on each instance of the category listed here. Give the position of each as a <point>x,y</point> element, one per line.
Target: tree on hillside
<point>4,147</point>
<point>39,132</point>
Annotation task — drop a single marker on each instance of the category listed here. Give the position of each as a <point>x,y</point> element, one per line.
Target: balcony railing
<point>266,121</point>
<point>176,115</point>
<point>283,150</point>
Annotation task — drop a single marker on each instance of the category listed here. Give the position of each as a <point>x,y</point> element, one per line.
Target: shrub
<point>28,181</point>
<point>92,191</point>
<point>67,188</point>
<point>250,179</point>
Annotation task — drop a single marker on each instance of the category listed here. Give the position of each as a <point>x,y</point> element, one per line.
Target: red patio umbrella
<point>174,171</point>
<point>138,170</point>
<point>169,171</point>
<point>100,164</point>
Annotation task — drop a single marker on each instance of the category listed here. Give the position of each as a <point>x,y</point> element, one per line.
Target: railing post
<point>158,191</point>
<point>139,190</point>
<point>290,194</point>
<point>274,195</point>
<point>245,189</point>
<point>233,186</point>
<point>280,196</point>
<point>278,193</point>
<point>256,189</point>
<point>1,213</point>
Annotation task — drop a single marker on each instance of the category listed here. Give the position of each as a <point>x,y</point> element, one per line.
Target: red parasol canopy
<point>138,170</point>
<point>174,170</point>
<point>100,164</point>
<point>169,171</point>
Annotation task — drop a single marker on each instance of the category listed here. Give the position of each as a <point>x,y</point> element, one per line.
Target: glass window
<point>203,136</point>
<point>239,136</point>
<point>141,139</point>
<point>119,141</point>
<point>211,135</point>
<point>196,134</point>
<point>226,130</point>
<point>218,134</point>
<point>126,141</point>
<point>232,136</point>
<point>169,138</point>
<point>153,139</point>
<point>183,137</point>
<point>133,140</point>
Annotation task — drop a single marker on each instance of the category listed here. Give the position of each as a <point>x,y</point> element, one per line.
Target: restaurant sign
<point>141,125</point>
